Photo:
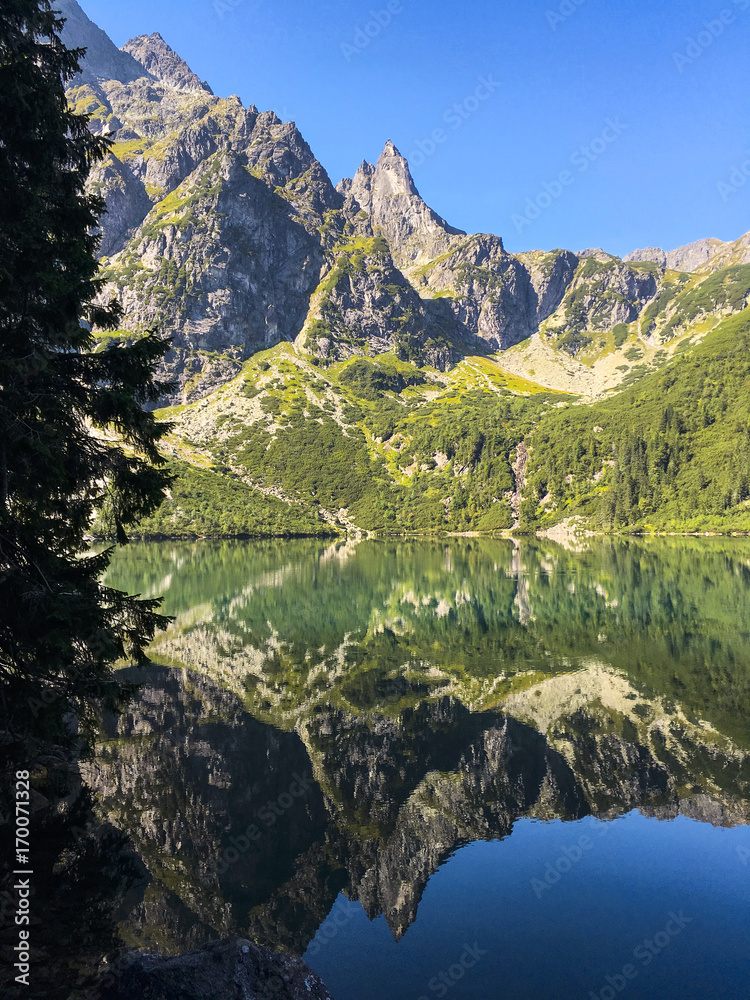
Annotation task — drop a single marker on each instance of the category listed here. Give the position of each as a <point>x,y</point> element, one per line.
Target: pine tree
<point>74,434</point>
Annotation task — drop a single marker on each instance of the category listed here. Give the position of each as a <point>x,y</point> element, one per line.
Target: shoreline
<point>549,533</point>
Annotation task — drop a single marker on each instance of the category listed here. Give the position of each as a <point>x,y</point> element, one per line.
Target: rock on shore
<point>235,969</point>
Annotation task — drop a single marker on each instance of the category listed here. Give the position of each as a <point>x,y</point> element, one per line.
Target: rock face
<point>724,255</point>
<point>127,204</point>
<point>386,193</point>
<point>603,293</point>
<point>223,230</point>
<point>702,256</point>
<point>693,256</point>
<point>365,304</point>
<point>222,971</point>
<point>226,263</point>
<point>103,61</point>
<point>163,63</point>
<point>653,254</point>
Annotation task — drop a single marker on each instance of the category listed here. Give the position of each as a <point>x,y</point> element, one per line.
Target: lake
<point>461,768</point>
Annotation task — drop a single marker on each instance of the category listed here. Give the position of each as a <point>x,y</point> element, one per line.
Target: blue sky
<point>599,123</point>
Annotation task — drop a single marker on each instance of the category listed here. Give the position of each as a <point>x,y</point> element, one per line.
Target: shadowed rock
<point>226,970</point>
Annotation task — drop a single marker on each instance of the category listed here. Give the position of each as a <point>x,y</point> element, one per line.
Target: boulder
<point>235,969</point>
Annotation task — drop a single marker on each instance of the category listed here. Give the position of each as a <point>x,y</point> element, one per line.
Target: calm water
<point>462,769</point>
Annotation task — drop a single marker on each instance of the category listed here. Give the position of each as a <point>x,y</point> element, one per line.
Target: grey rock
<point>225,970</point>
<point>492,296</point>
<point>551,275</point>
<point>369,307</point>
<point>245,241</point>
<point>598,254</point>
<point>224,230</point>
<point>163,150</point>
<point>103,60</point>
<point>163,63</point>
<point>653,254</point>
<point>728,255</point>
<point>708,254</point>
<point>694,256</point>
<point>386,193</point>
<point>126,200</point>
<point>230,269</point>
<point>602,294</point>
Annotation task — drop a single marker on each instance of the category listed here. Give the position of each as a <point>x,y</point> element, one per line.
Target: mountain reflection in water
<point>343,719</point>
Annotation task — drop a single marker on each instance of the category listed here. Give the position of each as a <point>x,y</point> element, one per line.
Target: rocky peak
<point>653,254</point>
<point>597,254</point>
<point>361,184</point>
<point>694,256</point>
<point>393,172</point>
<point>163,63</point>
<point>103,60</point>
<point>725,254</point>
<point>388,194</point>
<point>691,257</point>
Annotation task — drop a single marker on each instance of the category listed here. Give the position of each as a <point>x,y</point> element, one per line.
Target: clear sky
<point>600,122</point>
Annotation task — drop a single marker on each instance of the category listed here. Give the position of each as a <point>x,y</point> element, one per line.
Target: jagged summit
<point>701,256</point>
<point>393,178</point>
<point>597,254</point>
<point>161,61</point>
<point>694,256</point>
<point>103,60</point>
<point>388,194</point>
<point>654,255</point>
<point>147,56</point>
<point>395,170</point>
<point>224,229</point>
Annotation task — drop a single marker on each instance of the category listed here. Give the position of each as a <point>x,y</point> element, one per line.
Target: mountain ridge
<point>470,293</point>
<point>223,229</point>
<point>103,60</point>
<point>163,63</point>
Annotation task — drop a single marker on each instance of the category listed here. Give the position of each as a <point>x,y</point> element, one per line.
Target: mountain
<point>702,256</point>
<point>104,61</point>
<point>153,53</point>
<point>386,193</point>
<point>351,326</point>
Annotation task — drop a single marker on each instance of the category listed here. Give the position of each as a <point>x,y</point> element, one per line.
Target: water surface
<point>461,768</point>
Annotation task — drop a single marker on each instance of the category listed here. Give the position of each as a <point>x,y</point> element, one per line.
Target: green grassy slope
<point>296,447</point>
<point>204,503</point>
<point>671,453</point>
<point>376,444</point>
